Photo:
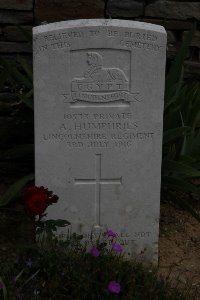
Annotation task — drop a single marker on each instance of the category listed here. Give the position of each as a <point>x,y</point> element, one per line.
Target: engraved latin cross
<point>98,181</point>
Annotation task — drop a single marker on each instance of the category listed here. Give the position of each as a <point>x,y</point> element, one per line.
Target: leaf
<point>170,153</point>
<point>58,223</point>
<point>172,134</point>
<point>172,93</point>
<point>179,184</point>
<point>175,71</point>
<point>26,34</point>
<point>39,231</point>
<point>26,67</point>
<point>28,99</point>
<point>172,117</point>
<point>184,204</point>
<point>178,167</point>
<point>190,103</point>
<point>5,294</point>
<point>21,78</point>
<point>6,72</point>
<point>61,223</point>
<point>188,159</point>
<point>31,277</point>
<point>18,152</point>
<point>14,189</point>
<point>19,275</point>
<point>195,111</point>
<point>195,145</point>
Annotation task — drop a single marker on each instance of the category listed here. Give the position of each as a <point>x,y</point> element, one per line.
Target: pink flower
<point>109,233</point>
<point>116,247</point>
<point>95,252</point>
<point>114,287</point>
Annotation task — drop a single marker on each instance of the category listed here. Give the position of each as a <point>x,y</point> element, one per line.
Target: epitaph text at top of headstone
<point>99,87</point>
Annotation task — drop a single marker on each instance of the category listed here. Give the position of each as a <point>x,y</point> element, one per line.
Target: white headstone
<point>99,87</point>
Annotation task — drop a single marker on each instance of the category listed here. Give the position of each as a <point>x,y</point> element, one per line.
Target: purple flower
<point>95,252</point>
<point>19,296</point>
<point>162,278</point>
<point>116,247</point>
<point>109,233</point>
<point>29,263</point>
<point>1,285</point>
<point>12,280</point>
<point>114,287</point>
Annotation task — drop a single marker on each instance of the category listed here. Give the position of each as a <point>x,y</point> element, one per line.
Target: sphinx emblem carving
<point>99,83</point>
<point>96,72</point>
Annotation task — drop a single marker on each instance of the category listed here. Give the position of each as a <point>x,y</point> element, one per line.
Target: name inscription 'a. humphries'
<point>99,130</point>
<point>98,87</point>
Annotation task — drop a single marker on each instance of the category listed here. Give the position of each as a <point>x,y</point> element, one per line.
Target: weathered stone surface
<point>173,9</point>
<point>7,97</point>
<point>192,68</point>
<point>14,59</point>
<point>14,17</point>
<point>59,10</point>
<point>125,8</point>
<point>12,47</point>
<point>171,51</point>
<point>16,4</point>
<point>171,45</point>
<point>5,108</point>
<point>17,128</point>
<point>171,38</point>
<point>99,87</point>
<point>177,25</point>
<point>16,34</point>
<point>195,40</point>
<point>169,24</point>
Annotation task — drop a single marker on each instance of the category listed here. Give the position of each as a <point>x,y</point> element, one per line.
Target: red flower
<point>37,199</point>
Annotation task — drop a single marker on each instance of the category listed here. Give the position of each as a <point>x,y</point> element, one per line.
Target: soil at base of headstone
<point>179,243</point>
<point>179,248</point>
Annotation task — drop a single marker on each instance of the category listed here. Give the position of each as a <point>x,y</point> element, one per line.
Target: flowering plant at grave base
<point>36,201</point>
<point>69,269</point>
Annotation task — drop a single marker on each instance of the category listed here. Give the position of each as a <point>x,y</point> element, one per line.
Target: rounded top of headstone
<point>98,22</point>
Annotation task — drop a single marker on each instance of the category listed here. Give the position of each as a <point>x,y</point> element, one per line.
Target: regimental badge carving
<point>99,83</point>
<point>97,73</point>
